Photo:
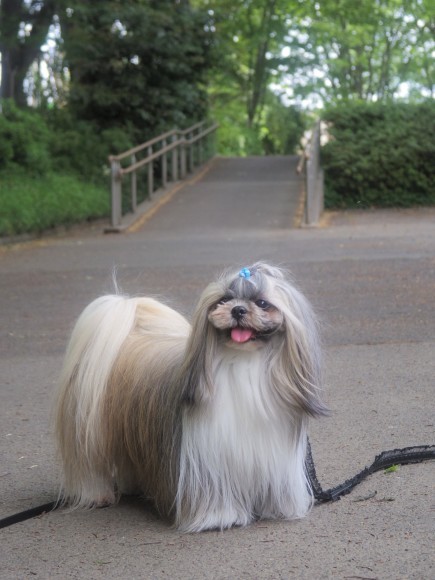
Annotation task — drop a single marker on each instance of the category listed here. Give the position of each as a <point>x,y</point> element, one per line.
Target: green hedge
<point>53,169</point>
<point>24,140</point>
<point>39,142</point>
<point>380,155</point>
<point>34,204</point>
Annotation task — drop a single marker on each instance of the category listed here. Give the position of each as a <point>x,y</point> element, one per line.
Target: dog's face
<point>257,308</point>
<point>245,316</point>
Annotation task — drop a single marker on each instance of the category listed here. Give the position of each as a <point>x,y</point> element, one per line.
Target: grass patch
<point>32,203</point>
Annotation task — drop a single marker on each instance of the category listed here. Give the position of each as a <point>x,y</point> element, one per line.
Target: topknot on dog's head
<point>252,280</point>
<point>247,283</point>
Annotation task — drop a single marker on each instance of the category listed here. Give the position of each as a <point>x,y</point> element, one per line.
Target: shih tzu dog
<point>210,419</point>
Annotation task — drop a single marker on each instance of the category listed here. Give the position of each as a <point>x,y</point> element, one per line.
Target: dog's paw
<point>92,500</point>
<point>217,520</point>
<point>104,501</point>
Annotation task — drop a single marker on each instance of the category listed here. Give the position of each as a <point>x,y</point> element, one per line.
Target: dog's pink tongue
<point>241,334</point>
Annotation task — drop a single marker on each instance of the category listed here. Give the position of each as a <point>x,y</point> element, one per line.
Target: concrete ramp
<point>234,194</point>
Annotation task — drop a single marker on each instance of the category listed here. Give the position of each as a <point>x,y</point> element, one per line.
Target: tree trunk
<point>19,53</point>
<point>258,79</point>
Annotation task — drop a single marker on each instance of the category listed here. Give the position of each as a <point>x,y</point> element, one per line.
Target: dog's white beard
<point>242,452</point>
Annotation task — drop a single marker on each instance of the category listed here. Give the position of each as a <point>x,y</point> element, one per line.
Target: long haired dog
<point>208,420</point>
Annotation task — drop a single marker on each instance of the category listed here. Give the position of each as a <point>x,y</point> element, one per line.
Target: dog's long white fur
<point>240,454</point>
<point>136,413</point>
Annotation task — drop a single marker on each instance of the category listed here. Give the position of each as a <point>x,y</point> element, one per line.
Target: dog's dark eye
<point>224,300</point>
<point>263,304</point>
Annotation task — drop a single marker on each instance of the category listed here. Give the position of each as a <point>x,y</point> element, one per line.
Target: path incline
<point>236,194</point>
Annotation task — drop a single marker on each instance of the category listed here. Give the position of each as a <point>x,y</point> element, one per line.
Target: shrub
<point>79,147</point>
<point>380,155</point>
<point>24,140</point>
<point>54,169</point>
<point>34,205</point>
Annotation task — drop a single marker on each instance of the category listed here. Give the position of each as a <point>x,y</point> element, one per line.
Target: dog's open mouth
<point>242,335</point>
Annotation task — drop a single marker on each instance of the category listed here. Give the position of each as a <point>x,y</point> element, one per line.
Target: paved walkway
<point>371,277</point>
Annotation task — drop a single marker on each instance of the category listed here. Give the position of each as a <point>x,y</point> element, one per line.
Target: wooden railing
<point>183,149</point>
<point>309,163</point>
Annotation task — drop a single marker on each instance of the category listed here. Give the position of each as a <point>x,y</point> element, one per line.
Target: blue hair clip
<point>245,273</point>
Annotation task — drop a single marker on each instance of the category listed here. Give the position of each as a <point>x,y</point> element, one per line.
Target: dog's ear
<point>296,368</point>
<point>196,371</point>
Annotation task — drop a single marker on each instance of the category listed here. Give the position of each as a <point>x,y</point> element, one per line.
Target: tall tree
<point>23,28</point>
<point>363,50</point>
<point>138,64</point>
<point>249,38</point>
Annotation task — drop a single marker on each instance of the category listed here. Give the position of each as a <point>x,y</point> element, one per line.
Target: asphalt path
<point>371,278</point>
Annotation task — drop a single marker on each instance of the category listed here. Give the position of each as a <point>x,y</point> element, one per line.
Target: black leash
<point>384,460</point>
<point>28,514</point>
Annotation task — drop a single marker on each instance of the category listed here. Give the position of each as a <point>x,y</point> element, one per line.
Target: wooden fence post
<point>200,150</point>
<point>314,204</point>
<point>133,186</point>
<point>191,153</point>
<point>115,167</point>
<point>164,165</point>
<point>183,157</point>
<point>150,174</point>
<point>174,169</point>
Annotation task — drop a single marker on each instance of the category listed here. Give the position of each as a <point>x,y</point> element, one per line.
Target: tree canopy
<point>138,64</point>
<point>144,65</point>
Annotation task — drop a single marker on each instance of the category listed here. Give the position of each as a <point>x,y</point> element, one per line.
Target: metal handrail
<point>310,165</point>
<point>166,149</point>
<point>184,143</point>
<point>142,146</point>
<point>146,160</point>
<point>192,128</point>
<point>202,134</point>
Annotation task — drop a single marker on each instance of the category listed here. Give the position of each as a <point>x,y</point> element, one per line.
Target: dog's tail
<point>90,357</point>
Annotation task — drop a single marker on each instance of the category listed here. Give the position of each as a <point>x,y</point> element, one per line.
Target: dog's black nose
<point>238,312</point>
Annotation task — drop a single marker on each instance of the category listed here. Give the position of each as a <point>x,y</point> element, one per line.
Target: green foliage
<point>391,469</point>
<point>248,41</point>
<point>277,131</point>
<point>362,50</point>
<point>380,155</point>
<point>41,141</point>
<point>361,46</point>
<point>23,27</point>
<point>52,170</point>
<point>249,38</point>
<point>24,139</point>
<point>139,65</point>
<point>282,128</point>
<point>81,147</point>
<point>34,205</point>
<point>234,137</point>
<point>320,52</point>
